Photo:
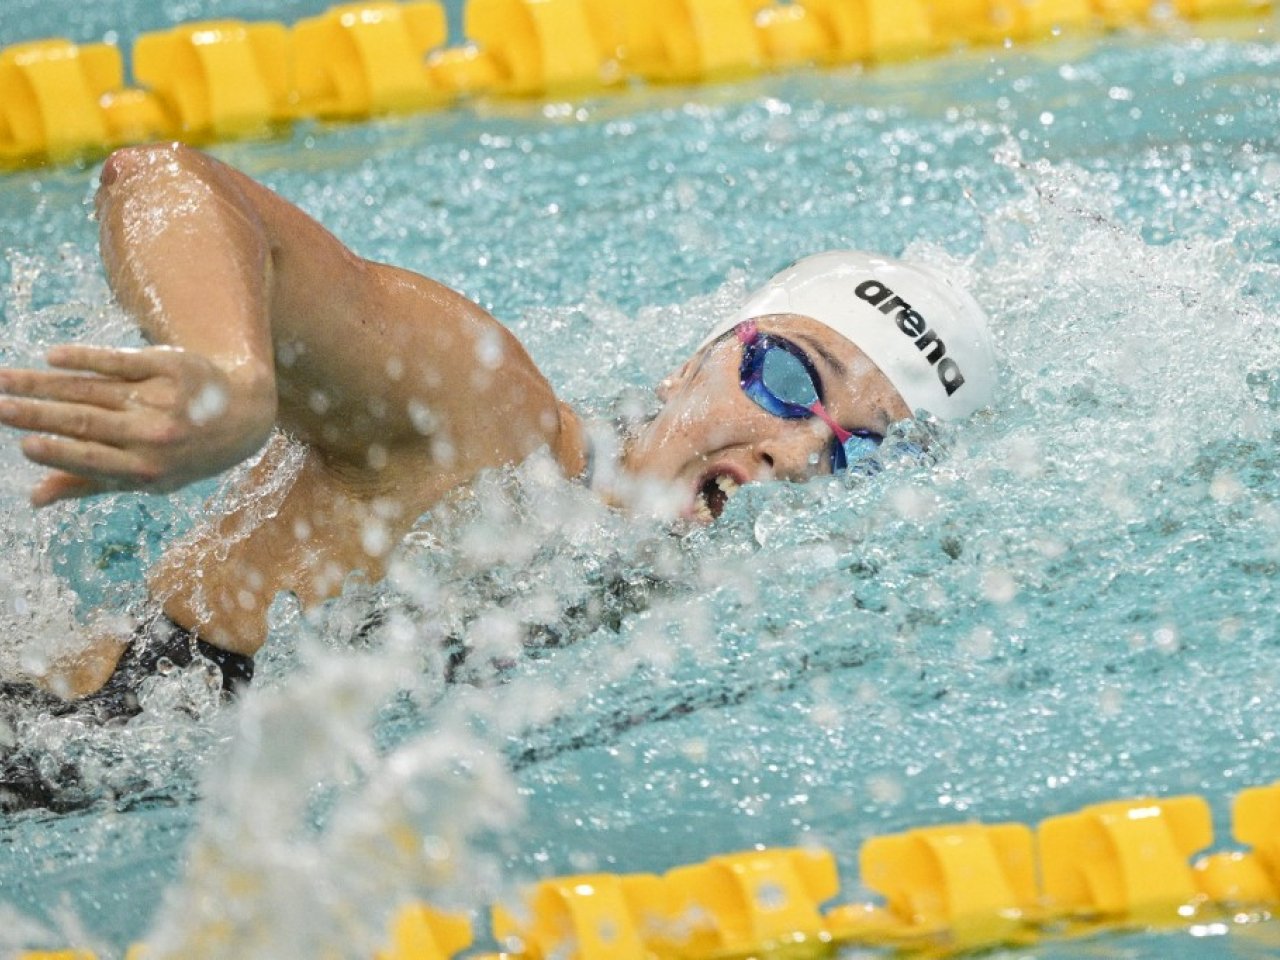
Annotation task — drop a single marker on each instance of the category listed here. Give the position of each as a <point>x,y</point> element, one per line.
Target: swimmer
<point>263,325</point>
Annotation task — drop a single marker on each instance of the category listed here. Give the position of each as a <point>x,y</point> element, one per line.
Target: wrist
<point>246,397</point>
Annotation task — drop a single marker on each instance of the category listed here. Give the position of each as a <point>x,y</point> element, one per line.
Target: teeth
<point>728,486</point>
<point>701,510</point>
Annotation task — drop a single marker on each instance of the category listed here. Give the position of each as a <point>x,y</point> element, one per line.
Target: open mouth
<point>712,495</point>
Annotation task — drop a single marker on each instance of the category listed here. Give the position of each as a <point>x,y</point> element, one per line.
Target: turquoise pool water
<point>1076,603</point>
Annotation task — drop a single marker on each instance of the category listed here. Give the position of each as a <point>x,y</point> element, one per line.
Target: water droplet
<point>209,403</point>
<point>771,896</point>
<point>998,585</point>
<point>1165,639</point>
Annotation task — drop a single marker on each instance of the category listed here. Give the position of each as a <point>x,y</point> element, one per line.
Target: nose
<point>795,452</point>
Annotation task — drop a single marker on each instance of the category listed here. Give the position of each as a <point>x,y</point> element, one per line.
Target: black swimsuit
<point>158,645</point>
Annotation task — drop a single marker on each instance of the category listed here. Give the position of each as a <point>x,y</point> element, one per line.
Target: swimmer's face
<point>710,437</point>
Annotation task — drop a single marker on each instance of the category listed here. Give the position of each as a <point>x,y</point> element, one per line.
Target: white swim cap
<point>924,332</point>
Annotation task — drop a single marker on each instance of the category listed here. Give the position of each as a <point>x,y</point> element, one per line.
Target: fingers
<point>104,467</point>
<point>70,388</point>
<point>63,486</point>
<point>112,374</point>
<point>106,419</point>
<point>75,420</point>
<point>111,362</point>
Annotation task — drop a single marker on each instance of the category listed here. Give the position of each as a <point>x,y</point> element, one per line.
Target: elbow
<point>130,171</point>
<point>126,164</point>
<point>122,164</point>
<point>145,191</point>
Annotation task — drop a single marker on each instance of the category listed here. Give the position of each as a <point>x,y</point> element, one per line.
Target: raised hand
<point>152,419</point>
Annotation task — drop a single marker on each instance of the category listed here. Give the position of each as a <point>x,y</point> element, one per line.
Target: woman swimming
<point>400,390</point>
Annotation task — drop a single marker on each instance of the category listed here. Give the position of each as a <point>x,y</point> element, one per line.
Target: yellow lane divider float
<point>1123,865</point>
<point>209,81</point>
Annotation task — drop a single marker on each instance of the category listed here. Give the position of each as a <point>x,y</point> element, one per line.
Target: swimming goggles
<point>781,379</point>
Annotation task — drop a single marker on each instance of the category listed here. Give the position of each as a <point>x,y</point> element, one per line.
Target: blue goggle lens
<point>784,385</point>
<point>786,378</point>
